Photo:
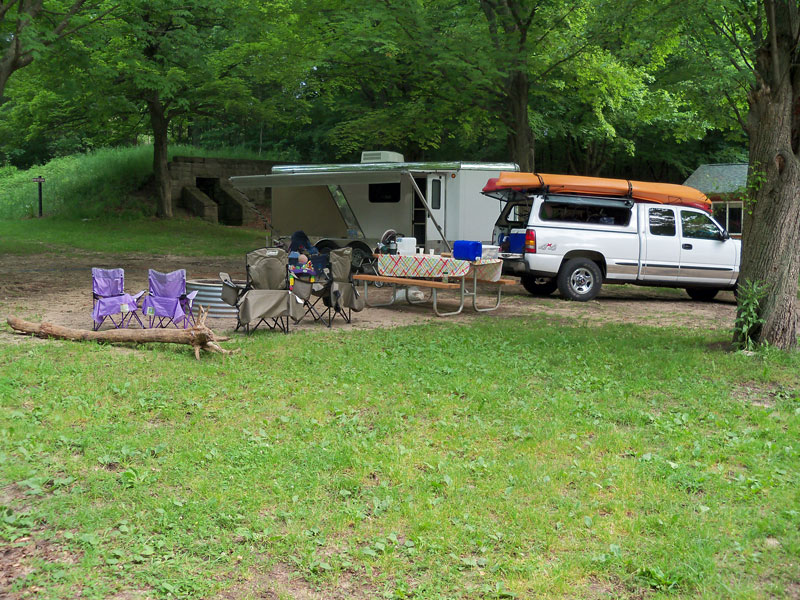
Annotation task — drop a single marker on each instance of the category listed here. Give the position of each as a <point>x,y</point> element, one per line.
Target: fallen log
<point>199,337</point>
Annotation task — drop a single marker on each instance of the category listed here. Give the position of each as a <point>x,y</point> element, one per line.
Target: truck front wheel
<point>538,286</point>
<point>580,279</point>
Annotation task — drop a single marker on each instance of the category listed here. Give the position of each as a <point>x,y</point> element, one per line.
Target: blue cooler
<point>516,241</point>
<point>465,250</point>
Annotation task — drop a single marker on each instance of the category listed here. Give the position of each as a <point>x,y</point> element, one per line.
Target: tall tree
<point>772,232</point>
<point>760,39</point>
<point>178,59</point>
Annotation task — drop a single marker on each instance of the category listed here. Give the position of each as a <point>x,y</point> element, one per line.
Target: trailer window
<point>436,194</point>
<point>384,192</point>
<point>586,210</point>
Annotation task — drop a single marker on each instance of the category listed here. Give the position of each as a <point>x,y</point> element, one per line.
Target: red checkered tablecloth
<point>432,266</point>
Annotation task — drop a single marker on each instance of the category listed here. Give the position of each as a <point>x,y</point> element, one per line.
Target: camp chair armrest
<point>190,296</point>
<point>226,279</point>
<point>139,295</point>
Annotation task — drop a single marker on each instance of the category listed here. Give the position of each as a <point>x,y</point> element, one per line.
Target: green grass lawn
<point>187,237</point>
<point>509,458</point>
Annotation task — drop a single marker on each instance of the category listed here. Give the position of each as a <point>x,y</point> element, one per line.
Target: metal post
<point>40,181</point>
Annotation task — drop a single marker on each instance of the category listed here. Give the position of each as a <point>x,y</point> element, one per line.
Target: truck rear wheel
<point>580,279</point>
<point>702,294</point>
<point>538,286</point>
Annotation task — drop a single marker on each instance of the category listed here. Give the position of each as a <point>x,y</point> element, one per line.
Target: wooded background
<point>587,86</point>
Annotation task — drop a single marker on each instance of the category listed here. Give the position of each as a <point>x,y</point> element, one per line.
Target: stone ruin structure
<point>201,187</point>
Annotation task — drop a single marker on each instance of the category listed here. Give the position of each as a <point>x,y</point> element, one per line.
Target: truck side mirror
<point>724,235</point>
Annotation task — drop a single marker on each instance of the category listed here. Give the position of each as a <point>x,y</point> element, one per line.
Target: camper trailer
<point>354,204</point>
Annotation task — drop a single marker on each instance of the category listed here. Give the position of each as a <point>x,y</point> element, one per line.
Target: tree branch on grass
<point>198,337</point>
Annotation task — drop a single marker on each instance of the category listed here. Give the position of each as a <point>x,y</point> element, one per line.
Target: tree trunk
<point>14,57</point>
<point>771,232</point>
<point>520,134</point>
<point>199,337</point>
<point>160,125</point>
<point>12,60</point>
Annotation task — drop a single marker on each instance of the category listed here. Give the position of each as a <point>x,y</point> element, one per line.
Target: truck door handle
<point>687,246</point>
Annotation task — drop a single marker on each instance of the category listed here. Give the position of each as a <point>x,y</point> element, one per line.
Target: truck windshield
<point>580,209</point>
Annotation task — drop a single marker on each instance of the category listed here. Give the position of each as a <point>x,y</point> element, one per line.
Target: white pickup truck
<point>574,243</point>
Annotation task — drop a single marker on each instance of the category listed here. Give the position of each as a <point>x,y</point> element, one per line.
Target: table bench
<point>434,285</point>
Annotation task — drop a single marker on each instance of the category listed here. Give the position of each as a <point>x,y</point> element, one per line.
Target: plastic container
<point>516,241</point>
<point>488,252</point>
<point>407,245</point>
<point>467,250</point>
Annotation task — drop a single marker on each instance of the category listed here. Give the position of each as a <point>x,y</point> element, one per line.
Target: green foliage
<point>756,178</point>
<point>629,88</point>
<point>748,314</point>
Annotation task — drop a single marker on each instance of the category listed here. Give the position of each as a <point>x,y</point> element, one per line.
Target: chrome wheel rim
<point>581,281</point>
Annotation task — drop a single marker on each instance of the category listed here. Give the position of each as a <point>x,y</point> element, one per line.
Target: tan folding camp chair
<point>266,297</point>
<point>343,296</point>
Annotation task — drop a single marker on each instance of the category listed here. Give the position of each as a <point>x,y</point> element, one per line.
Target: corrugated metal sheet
<point>209,296</point>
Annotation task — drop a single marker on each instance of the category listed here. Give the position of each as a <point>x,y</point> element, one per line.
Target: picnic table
<point>436,273</point>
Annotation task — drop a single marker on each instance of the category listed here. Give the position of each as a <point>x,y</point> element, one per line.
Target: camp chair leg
<point>136,316</point>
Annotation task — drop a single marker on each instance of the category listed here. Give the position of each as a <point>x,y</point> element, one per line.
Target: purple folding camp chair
<point>167,301</point>
<point>109,299</point>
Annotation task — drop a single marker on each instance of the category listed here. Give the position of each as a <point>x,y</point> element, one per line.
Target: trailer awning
<point>250,182</point>
<point>333,179</point>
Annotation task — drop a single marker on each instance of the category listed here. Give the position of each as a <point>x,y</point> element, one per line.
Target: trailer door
<point>435,196</point>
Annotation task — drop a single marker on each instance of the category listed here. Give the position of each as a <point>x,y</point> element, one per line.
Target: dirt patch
<point>756,395</point>
<point>17,562</point>
<point>12,494</point>
<point>611,587</point>
<point>284,582</point>
<point>57,288</point>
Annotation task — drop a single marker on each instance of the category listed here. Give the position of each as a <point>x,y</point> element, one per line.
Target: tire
<point>538,286</point>
<point>360,258</point>
<point>702,294</point>
<point>371,268</point>
<point>325,246</point>
<point>580,279</point>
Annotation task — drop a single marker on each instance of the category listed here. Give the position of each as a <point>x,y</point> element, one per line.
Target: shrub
<point>748,319</point>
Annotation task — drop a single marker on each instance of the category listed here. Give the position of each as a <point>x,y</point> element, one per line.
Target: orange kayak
<point>642,191</point>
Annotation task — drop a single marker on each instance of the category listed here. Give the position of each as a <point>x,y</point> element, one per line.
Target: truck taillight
<point>530,241</point>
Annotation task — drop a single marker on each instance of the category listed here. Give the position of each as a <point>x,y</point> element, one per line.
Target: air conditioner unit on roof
<point>381,156</point>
